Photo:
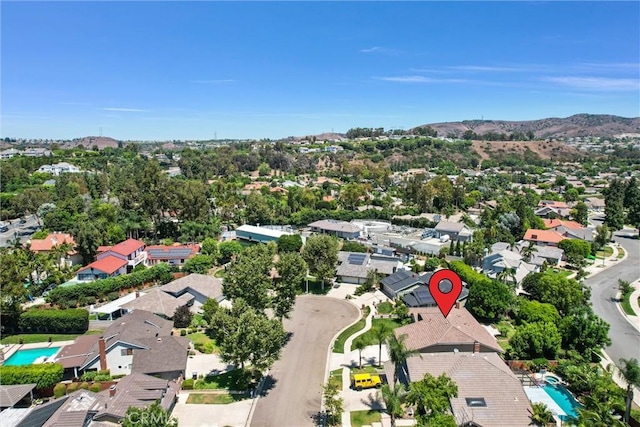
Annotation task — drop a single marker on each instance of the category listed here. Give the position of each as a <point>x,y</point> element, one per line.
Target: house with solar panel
<point>175,255</point>
<point>413,289</point>
<point>355,266</point>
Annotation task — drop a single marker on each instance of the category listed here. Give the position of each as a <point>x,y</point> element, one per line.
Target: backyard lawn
<point>203,343</point>
<point>365,418</point>
<point>214,398</point>
<point>385,307</point>
<point>35,338</point>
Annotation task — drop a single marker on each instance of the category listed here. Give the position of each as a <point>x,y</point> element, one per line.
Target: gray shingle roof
<point>162,354</point>
<point>209,286</point>
<point>478,376</point>
<point>159,302</point>
<point>12,394</point>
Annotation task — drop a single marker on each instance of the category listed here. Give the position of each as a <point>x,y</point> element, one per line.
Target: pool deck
<point>538,395</point>
<point>10,349</point>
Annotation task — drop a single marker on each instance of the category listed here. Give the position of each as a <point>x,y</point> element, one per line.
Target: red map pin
<point>443,294</point>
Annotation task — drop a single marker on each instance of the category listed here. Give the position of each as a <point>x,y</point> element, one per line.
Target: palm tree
<point>541,414</point>
<point>630,370</point>
<point>528,251</point>
<point>381,332</point>
<point>393,401</point>
<point>359,345</point>
<point>398,353</point>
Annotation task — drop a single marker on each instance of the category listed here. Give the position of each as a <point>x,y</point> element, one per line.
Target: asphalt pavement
<point>292,394</point>
<point>16,230</point>
<point>625,338</point>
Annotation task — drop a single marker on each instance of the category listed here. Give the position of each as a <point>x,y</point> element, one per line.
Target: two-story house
<point>131,250</point>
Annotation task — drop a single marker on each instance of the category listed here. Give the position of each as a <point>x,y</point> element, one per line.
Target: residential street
<point>292,395</point>
<point>604,287</point>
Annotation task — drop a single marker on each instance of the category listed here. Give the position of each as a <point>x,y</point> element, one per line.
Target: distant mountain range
<point>577,125</point>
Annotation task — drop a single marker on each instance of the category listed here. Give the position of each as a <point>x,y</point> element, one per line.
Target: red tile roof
<point>554,223</point>
<point>127,247</point>
<point>52,240</point>
<point>548,236</point>
<point>109,264</point>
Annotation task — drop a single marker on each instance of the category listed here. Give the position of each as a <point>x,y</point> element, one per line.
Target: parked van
<point>361,381</point>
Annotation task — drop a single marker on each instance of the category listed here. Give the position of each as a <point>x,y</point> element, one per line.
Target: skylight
<point>476,402</point>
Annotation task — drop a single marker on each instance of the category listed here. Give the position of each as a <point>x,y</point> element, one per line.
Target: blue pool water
<point>552,380</point>
<point>564,399</point>
<point>26,357</point>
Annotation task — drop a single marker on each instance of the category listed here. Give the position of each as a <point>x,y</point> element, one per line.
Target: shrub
<point>112,296</point>
<point>183,332</point>
<point>182,317</point>
<point>117,376</point>
<point>539,363</point>
<point>187,384</point>
<point>59,390</point>
<point>84,386</point>
<point>208,347</point>
<point>52,320</point>
<point>89,376</point>
<point>95,387</point>
<point>72,387</point>
<point>44,375</point>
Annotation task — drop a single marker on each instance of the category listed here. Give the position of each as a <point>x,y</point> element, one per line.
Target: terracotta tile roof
<point>548,236</point>
<point>127,247</point>
<point>108,264</point>
<point>432,329</point>
<point>554,223</point>
<point>479,375</point>
<point>52,240</point>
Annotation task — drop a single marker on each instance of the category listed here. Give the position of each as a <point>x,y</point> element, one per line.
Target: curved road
<point>625,339</point>
<point>293,390</point>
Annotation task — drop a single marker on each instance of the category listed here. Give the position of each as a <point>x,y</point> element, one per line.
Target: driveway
<point>293,392</point>
<point>625,339</point>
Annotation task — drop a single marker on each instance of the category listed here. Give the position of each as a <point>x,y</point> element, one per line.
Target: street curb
<point>636,323</point>
<point>257,391</point>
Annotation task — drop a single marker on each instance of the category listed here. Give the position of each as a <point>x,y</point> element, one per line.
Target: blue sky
<point>177,70</point>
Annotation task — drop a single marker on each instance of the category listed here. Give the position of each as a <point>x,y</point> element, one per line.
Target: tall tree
<point>359,345</point>
<point>321,254</point>
<point>580,213</point>
<point>87,238</point>
<point>614,204</point>
<point>248,277</point>
<point>333,403</point>
<point>151,416</point>
<point>630,370</point>
<point>392,398</point>
<point>432,398</point>
<point>292,270</point>
<point>398,353</point>
<point>381,332</point>
<point>583,331</point>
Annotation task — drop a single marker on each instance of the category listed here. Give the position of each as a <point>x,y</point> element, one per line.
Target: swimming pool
<point>564,399</point>
<point>27,357</point>
<point>552,380</point>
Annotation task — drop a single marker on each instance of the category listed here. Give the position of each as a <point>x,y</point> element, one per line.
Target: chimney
<point>476,347</point>
<point>103,354</point>
<point>112,391</point>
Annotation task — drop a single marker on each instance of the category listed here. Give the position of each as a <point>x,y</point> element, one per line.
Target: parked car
<point>361,381</point>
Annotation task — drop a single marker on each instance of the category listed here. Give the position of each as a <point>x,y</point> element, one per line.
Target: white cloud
<point>485,68</point>
<point>596,83</point>
<point>125,110</point>
<point>372,49</point>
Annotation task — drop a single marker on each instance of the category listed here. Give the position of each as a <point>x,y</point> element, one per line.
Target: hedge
<point>101,289</point>
<point>187,384</point>
<point>59,390</point>
<point>74,320</point>
<point>44,375</point>
<point>468,274</point>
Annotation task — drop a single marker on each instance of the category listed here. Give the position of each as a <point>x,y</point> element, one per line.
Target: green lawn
<point>608,251</point>
<point>369,337</point>
<point>506,332</point>
<point>219,274</point>
<point>385,307</point>
<point>35,338</point>
<point>626,305</point>
<point>214,398</point>
<point>365,418</point>
<point>620,253</point>
<point>338,346</point>
<point>202,340</point>
<point>233,380</point>
<point>364,370</point>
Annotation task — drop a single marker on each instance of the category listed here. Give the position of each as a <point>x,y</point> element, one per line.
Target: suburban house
<point>109,266</point>
<point>84,408</point>
<point>139,341</point>
<point>489,394</point>
<point>413,288</point>
<point>431,332</point>
<point>200,286</point>
<point>53,240</point>
<point>173,255</point>
<point>552,209</point>
<point>501,259</point>
<point>341,229</point>
<point>131,250</point>
<point>58,168</point>
<point>158,302</point>
<point>252,233</point>
<point>569,229</point>
<point>552,255</point>
<point>15,395</point>
<point>543,237</point>
<point>455,231</point>
<point>355,266</point>
<point>595,204</point>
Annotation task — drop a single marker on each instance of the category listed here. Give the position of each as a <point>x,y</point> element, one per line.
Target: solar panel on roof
<point>356,259</point>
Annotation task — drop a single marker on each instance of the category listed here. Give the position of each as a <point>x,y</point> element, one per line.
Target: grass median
<point>338,346</point>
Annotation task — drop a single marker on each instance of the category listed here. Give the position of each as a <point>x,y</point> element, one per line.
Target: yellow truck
<point>361,381</point>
